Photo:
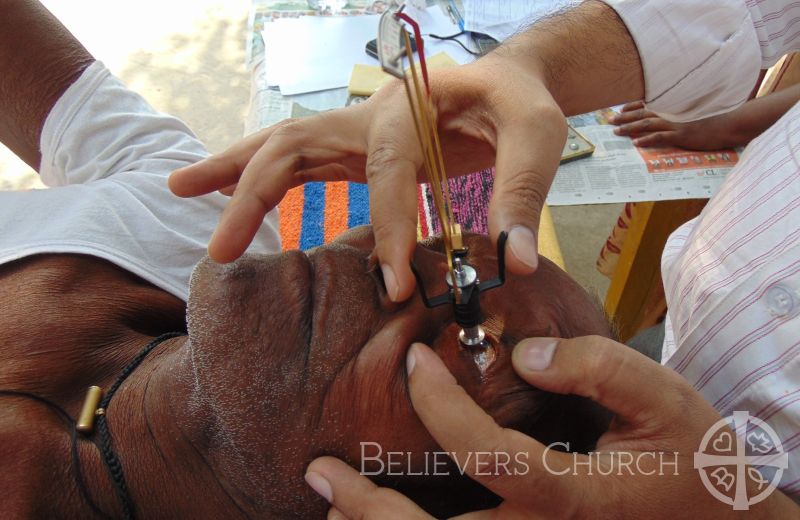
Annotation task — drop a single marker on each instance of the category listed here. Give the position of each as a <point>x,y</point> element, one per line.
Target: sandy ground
<point>186,58</point>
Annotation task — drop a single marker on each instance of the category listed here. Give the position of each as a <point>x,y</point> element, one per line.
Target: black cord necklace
<point>104,436</point>
<point>104,441</point>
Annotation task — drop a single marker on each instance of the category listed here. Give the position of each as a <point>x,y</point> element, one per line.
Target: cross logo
<point>728,461</point>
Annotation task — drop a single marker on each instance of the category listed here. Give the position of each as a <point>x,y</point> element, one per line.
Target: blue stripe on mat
<point>357,204</point>
<point>312,231</point>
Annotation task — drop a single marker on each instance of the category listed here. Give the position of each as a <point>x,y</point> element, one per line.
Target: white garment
<point>732,275</point>
<point>107,155</point>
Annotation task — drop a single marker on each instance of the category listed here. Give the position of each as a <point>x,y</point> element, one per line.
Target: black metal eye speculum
<point>467,311</point>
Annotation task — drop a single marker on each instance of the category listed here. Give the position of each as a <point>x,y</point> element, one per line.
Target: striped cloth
<point>732,275</point>
<point>316,213</point>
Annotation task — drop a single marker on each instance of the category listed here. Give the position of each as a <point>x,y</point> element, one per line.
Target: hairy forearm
<point>586,57</point>
<point>39,59</point>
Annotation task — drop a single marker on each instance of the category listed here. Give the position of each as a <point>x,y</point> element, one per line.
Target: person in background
<point>727,130</point>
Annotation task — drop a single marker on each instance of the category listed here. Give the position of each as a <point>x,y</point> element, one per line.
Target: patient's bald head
<point>295,356</point>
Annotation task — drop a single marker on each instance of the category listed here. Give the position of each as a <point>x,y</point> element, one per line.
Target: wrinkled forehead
<point>551,300</point>
<point>481,250</point>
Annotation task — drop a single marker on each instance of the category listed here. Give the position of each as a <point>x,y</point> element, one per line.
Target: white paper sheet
<point>313,53</point>
<point>316,53</point>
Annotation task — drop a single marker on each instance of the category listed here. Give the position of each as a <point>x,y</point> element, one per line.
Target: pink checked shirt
<point>732,275</point>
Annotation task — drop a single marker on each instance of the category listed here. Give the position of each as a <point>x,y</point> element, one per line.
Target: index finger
<point>463,430</point>
<point>219,170</point>
<point>290,152</point>
<point>633,105</point>
<point>356,496</point>
<point>633,115</point>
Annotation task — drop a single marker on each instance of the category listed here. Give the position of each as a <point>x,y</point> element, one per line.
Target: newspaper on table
<point>618,171</point>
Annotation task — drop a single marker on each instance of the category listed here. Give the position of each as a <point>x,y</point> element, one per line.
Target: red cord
<point>420,48</point>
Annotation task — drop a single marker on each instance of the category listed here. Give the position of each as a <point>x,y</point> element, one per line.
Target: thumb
<point>614,375</point>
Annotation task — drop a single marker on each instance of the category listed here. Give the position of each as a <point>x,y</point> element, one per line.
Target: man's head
<point>296,356</point>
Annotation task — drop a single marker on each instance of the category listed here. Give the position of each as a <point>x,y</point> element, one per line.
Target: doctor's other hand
<point>514,124</point>
<point>659,422</point>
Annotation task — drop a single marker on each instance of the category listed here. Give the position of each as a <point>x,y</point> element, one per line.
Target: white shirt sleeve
<point>100,128</point>
<point>702,57</point>
<point>107,155</point>
<point>732,285</point>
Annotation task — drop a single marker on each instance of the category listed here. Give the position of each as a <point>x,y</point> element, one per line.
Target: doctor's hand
<point>659,424</point>
<point>514,123</point>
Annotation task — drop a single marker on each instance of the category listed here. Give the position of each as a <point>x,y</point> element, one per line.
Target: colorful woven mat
<point>316,213</point>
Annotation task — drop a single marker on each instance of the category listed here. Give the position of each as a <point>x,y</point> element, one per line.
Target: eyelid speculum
<point>467,308</point>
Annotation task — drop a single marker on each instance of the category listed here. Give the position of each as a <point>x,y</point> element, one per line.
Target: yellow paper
<point>365,80</point>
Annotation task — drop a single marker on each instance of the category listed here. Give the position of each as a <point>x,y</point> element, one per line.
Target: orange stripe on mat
<point>290,211</point>
<point>335,209</point>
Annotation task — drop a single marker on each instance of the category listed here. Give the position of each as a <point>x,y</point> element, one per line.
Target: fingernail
<point>320,485</point>
<point>390,281</point>
<point>420,354</point>
<point>617,130</point>
<point>522,242</point>
<point>411,360</point>
<point>334,514</point>
<point>536,354</point>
